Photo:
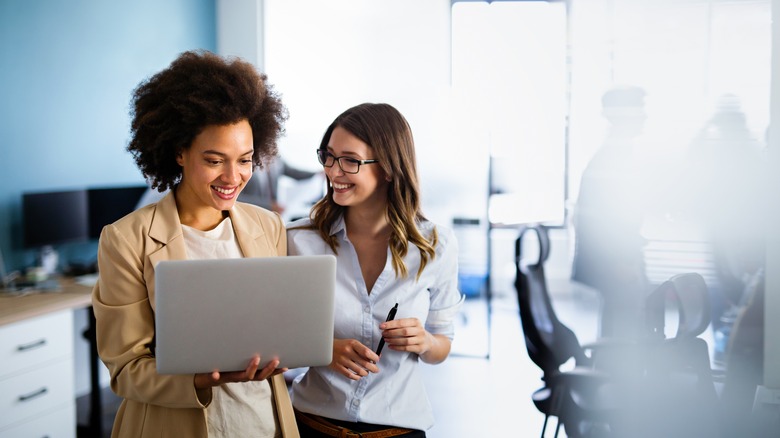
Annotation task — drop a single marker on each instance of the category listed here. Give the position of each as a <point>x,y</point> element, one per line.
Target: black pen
<point>390,317</point>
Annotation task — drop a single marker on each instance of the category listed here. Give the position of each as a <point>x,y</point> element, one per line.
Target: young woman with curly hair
<point>198,129</point>
<point>387,253</point>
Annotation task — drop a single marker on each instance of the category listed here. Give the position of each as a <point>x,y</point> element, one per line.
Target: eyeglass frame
<point>338,160</point>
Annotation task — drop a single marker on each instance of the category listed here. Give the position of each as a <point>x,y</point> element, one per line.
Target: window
<point>509,70</point>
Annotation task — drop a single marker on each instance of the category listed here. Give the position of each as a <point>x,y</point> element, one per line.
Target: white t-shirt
<point>237,409</point>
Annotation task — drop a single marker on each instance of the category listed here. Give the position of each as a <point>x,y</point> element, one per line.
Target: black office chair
<point>576,397</point>
<point>677,395</point>
<point>688,295</point>
<point>647,387</point>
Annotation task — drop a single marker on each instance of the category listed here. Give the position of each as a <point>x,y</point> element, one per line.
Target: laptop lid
<point>217,314</point>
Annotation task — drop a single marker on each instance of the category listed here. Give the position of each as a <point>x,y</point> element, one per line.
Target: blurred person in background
<point>608,215</point>
<point>720,189</point>
<point>263,188</point>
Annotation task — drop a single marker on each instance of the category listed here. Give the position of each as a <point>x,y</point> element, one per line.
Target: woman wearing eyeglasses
<point>388,254</point>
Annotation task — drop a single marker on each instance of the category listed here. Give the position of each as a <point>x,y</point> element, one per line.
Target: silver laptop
<point>217,314</point>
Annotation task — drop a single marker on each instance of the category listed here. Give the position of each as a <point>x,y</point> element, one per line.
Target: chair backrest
<point>695,306</point>
<point>679,387</point>
<point>548,341</point>
<point>690,295</point>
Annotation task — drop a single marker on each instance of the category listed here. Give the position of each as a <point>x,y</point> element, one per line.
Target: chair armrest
<point>590,390</point>
<point>621,356</point>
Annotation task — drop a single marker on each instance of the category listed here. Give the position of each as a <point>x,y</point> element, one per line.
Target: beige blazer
<point>123,300</point>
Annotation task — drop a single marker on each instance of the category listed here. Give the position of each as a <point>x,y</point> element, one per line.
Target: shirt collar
<point>339,227</point>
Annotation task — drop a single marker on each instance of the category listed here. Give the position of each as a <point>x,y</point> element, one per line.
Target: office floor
<point>110,405</point>
<point>476,396</point>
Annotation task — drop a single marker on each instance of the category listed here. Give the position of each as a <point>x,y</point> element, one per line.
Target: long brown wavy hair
<point>386,131</point>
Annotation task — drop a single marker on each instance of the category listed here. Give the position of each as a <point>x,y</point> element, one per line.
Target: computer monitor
<point>106,205</point>
<point>53,218</point>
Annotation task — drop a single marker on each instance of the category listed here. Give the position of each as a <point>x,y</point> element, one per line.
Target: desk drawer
<point>35,341</point>
<point>35,392</point>
<point>56,424</point>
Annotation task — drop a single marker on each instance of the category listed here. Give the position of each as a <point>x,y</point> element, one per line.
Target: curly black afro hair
<point>200,89</point>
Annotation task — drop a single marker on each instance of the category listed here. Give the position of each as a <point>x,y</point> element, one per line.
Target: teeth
<point>341,186</point>
<point>224,191</point>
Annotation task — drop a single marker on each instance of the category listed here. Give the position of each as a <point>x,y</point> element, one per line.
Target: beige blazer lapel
<point>250,234</point>
<point>165,230</point>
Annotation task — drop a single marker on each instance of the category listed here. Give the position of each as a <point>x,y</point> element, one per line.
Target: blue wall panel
<point>67,71</point>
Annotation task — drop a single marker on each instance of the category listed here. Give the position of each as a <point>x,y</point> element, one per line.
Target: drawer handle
<point>32,345</point>
<point>32,395</point>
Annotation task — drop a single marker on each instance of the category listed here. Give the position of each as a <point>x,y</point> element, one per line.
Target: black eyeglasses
<point>346,164</point>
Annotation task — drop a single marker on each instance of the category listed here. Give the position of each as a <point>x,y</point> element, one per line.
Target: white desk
<point>37,396</point>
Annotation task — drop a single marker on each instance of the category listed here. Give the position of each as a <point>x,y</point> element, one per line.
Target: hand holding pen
<point>390,317</point>
<point>409,335</point>
<point>349,355</point>
<point>351,358</point>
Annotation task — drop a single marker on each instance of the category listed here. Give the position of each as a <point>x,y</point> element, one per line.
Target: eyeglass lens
<point>346,164</point>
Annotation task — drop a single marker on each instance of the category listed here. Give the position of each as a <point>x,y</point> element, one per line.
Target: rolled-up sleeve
<point>446,299</point>
<point>441,322</point>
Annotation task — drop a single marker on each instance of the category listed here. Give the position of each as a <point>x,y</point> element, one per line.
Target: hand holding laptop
<point>252,372</point>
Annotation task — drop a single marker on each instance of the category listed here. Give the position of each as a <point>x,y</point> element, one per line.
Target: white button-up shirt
<point>396,395</point>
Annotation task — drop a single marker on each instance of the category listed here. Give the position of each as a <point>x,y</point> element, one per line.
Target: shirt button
<point>367,309</point>
<point>355,403</point>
